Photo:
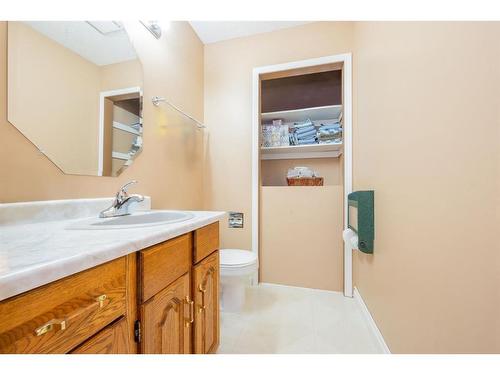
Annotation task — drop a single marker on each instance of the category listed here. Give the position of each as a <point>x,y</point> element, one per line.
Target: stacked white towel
<point>303,133</point>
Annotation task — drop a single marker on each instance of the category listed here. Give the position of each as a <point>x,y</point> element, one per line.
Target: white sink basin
<point>135,220</point>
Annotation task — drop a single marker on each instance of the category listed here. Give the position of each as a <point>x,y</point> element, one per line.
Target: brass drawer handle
<point>101,300</point>
<point>50,325</point>
<point>63,323</point>
<point>191,311</point>
<point>203,291</point>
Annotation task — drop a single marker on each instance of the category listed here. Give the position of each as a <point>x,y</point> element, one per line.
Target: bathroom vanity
<point>151,289</point>
<point>82,276</point>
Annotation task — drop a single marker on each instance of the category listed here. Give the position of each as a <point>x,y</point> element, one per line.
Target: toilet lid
<point>236,257</point>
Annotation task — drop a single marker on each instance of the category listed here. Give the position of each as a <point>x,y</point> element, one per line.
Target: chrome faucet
<point>121,204</point>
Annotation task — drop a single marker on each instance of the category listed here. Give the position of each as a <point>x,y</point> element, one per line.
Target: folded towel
<point>329,141</point>
<point>309,134</point>
<point>321,140</point>
<point>335,124</point>
<point>328,136</point>
<point>323,134</point>
<point>306,141</point>
<point>331,133</point>
<point>308,122</point>
<point>304,129</point>
<point>329,129</point>
<point>326,139</point>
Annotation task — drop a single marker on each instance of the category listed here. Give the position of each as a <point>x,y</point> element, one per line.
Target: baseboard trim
<point>299,287</point>
<point>371,322</point>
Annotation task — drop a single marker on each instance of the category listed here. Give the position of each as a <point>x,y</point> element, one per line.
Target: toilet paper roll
<point>350,237</point>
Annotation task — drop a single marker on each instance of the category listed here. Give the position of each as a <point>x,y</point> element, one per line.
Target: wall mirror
<point>75,91</point>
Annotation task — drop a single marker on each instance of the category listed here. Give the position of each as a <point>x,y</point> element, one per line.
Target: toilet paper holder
<point>360,218</point>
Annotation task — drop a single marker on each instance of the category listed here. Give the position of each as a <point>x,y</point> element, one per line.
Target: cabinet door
<point>111,340</point>
<point>167,318</point>
<point>206,297</point>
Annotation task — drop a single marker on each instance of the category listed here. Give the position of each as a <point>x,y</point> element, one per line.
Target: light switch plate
<point>235,219</point>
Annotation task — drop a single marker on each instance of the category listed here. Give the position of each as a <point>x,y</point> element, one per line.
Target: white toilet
<point>237,267</point>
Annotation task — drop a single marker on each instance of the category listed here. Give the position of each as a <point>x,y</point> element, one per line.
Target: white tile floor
<point>282,319</point>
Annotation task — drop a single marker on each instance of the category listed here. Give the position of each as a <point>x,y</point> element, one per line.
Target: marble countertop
<point>36,253</point>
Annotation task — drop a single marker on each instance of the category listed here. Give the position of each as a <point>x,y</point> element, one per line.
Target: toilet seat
<point>236,262</point>
<point>236,257</point>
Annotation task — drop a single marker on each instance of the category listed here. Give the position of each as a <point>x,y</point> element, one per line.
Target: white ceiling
<point>86,41</point>
<point>215,31</point>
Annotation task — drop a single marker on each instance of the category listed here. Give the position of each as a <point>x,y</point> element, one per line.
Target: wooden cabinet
<point>57,317</point>
<point>164,299</point>
<point>167,319</point>
<point>111,340</point>
<point>183,317</point>
<point>206,299</point>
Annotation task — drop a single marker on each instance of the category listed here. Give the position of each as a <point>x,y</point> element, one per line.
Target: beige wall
<point>170,167</point>
<point>299,243</point>
<point>228,108</point>
<point>121,75</point>
<point>426,139</point>
<point>301,227</point>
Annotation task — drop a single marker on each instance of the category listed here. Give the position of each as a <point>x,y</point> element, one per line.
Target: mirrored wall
<point>75,91</point>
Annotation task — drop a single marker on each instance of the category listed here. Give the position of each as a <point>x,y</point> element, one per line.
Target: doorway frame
<point>346,59</point>
<point>100,141</point>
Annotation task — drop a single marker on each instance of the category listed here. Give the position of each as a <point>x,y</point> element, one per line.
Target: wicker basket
<point>305,181</point>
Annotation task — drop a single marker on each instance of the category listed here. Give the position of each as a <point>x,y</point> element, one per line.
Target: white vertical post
<point>348,287</point>
<point>255,168</point>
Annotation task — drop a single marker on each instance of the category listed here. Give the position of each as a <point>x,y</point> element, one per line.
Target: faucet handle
<point>125,187</point>
<point>122,193</point>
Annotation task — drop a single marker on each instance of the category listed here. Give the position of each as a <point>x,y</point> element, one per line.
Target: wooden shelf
<point>297,115</point>
<point>301,151</point>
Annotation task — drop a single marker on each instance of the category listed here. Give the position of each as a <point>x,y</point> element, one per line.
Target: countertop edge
<point>29,279</point>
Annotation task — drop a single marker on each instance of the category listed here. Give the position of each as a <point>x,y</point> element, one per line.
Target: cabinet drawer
<point>57,317</point>
<point>162,264</point>
<point>206,241</point>
<point>111,340</point>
